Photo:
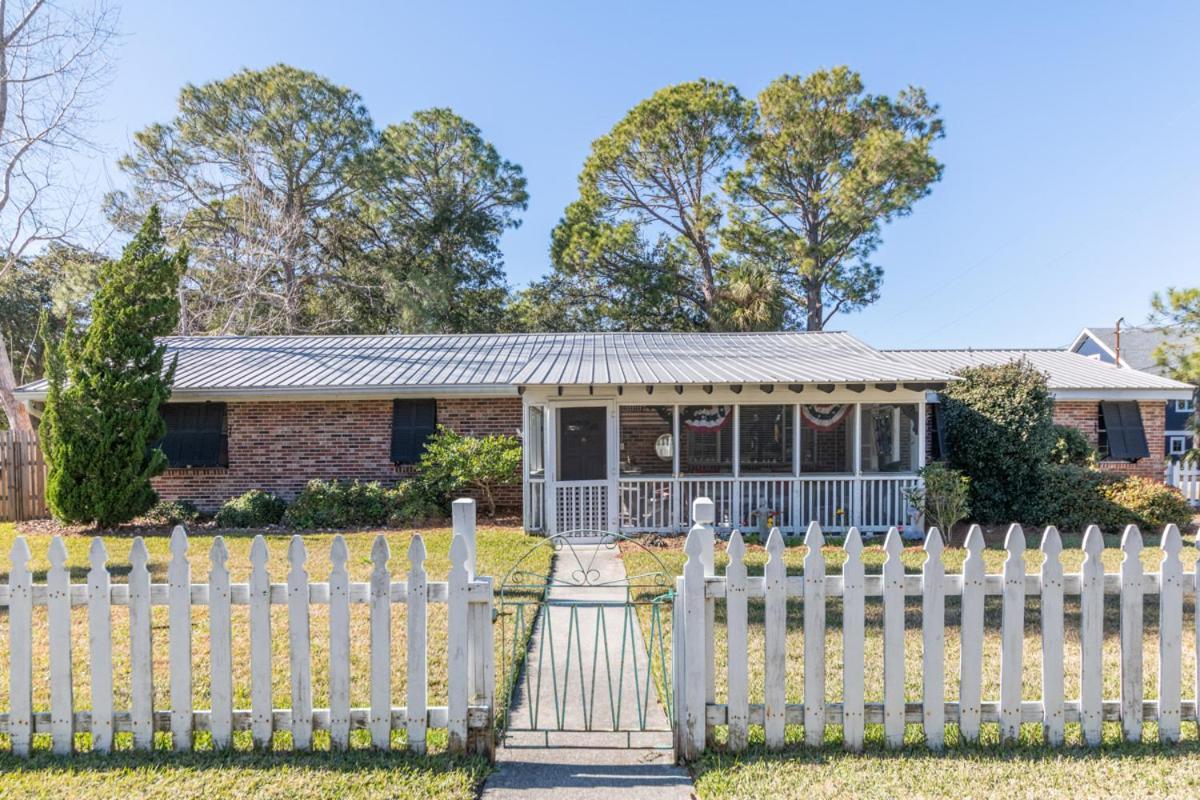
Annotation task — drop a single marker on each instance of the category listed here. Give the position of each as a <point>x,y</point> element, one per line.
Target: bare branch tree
<point>54,60</point>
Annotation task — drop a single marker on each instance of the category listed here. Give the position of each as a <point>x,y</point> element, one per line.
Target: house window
<point>890,437</point>
<point>535,442</point>
<point>1177,445</point>
<point>765,439</point>
<point>413,422</point>
<point>827,438</point>
<point>706,439</point>
<point>197,435</point>
<point>1121,436</point>
<point>1185,406</point>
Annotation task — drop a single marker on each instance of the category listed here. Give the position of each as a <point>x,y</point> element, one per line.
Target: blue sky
<point>1072,182</point>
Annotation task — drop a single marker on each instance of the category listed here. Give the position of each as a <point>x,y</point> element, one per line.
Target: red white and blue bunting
<point>709,418</point>
<point>823,417</point>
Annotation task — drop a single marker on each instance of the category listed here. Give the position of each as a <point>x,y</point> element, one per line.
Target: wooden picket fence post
<point>467,717</point>
<point>934,711</point>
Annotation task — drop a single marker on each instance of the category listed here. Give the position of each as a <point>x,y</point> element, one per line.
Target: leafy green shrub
<point>413,504</point>
<point>1074,497</point>
<point>1147,503</point>
<point>173,512</point>
<point>253,509</point>
<point>452,462</point>
<point>1071,446</point>
<point>999,433</point>
<point>943,498</point>
<point>1071,499</point>
<point>341,504</point>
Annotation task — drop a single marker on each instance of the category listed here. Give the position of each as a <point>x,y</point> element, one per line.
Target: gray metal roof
<point>717,358</point>
<point>1138,344</point>
<point>498,363</point>
<point>1065,370</point>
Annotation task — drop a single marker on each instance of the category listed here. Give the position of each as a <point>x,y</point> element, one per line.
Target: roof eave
<point>275,394</point>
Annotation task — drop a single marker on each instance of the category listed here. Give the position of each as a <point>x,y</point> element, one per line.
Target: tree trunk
<point>18,415</point>
<point>814,309</point>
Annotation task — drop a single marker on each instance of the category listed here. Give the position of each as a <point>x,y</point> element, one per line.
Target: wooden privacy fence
<point>22,477</point>
<point>698,589</point>
<point>467,717</point>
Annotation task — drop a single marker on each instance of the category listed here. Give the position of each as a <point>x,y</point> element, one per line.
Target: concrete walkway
<point>585,760</point>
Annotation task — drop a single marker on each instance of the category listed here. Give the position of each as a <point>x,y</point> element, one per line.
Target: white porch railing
<point>660,504</point>
<point>1185,478</point>
<point>581,505</point>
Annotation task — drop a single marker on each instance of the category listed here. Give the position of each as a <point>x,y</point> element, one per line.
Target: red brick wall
<point>1085,415</point>
<point>280,446</point>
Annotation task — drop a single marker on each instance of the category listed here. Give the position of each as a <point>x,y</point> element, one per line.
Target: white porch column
<point>856,498</point>
<point>735,502</point>
<point>677,510</point>
<point>797,524</point>
<point>550,466</point>
<point>614,467</point>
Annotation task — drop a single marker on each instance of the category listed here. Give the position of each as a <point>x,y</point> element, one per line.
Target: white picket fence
<point>699,588</point>
<point>467,717</point>
<point>1185,478</point>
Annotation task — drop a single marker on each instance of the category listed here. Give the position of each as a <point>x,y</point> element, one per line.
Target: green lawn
<point>357,774</point>
<point>984,770</point>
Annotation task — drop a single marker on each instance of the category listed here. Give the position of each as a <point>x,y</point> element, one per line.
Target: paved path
<point>600,762</point>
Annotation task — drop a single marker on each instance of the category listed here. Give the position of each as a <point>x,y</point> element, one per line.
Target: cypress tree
<point>106,385</point>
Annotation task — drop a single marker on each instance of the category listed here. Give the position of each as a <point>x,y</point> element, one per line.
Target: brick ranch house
<point>620,430</point>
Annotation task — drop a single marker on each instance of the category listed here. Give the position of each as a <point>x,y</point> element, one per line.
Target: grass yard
<point>359,773</point>
<point>1143,769</point>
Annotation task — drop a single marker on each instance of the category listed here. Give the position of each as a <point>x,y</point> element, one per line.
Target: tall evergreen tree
<point>106,386</point>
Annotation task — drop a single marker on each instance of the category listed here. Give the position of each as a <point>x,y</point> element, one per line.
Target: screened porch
<point>636,465</point>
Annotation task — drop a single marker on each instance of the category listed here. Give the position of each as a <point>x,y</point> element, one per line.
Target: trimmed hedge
<point>253,509</point>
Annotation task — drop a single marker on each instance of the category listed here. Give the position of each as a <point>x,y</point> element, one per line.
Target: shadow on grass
<point>1030,749</point>
<point>350,761</point>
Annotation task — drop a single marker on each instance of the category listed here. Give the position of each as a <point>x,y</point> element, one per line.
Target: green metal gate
<point>585,650</point>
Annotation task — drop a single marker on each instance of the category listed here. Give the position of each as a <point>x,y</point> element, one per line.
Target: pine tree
<point>102,413</point>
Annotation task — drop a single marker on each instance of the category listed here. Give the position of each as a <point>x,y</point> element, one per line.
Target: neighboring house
<point>1120,410</point>
<point>1137,347</point>
<point>621,431</point>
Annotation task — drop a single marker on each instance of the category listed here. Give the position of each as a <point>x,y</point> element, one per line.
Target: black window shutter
<point>1126,436</point>
<point>939,427</point>
<point>413,421</point>
<point>196,435</point>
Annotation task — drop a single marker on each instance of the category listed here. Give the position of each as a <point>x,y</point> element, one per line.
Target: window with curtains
<point>413,421</point>
<point>890,437</point>
<point>196,436</point>
<point>765,439</point>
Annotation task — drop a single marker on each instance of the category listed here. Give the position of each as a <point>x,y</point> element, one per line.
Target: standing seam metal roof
<point>479,361</point>
<point>1064,369</point>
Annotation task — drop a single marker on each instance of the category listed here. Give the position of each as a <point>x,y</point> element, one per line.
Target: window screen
<point>1122,437</point>
<point>647,444</point>
<point>765,439</point>
<point>413,421</point>
<point>827,438</point>
<point>196,435</point>
<point>706,440</point>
